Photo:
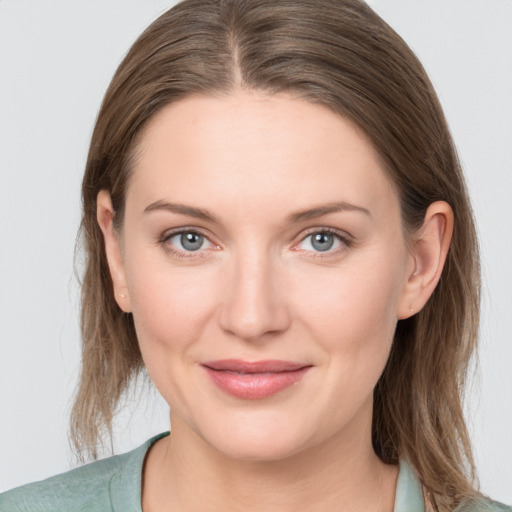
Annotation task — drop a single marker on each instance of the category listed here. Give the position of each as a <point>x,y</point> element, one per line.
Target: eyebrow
<point>183,209</point>
<point>325,209</point>
<point>300,216</point>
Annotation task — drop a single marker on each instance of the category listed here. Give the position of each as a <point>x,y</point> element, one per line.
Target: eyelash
<point>346,241</point>
<point>342,237</point>
<point>183,254</point>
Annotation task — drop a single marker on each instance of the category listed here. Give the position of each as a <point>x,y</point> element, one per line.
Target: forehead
<point>248,146</point>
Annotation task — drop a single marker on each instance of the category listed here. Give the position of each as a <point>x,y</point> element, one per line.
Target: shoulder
<point>95,487</point>
<point>87,485</point>
<point>83,488</point>
<point>409,496</point>
<point>484,505</point>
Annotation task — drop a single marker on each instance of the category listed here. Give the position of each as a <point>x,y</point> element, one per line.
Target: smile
<point>254,380</point>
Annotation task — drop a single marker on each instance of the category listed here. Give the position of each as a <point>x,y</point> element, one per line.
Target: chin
<point>260,439</point>
<point>258,449</point>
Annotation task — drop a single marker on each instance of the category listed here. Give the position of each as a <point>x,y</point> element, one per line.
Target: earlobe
<point>105,217</point>
<point>429,249</point>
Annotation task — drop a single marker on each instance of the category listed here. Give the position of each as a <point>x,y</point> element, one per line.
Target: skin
<point>258,289</point>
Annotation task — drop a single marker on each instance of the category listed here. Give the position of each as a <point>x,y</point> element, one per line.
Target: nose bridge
<point>254,305</point>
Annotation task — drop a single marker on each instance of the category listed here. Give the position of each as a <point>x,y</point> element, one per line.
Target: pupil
<point>191,241</point>
<point>322,241</point>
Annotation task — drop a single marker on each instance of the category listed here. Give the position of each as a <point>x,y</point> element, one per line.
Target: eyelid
<point>170,233</point>
<point>345,238</point>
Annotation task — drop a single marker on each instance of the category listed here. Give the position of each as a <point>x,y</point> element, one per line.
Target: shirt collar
<point>125,486</point>
<point>408,497</point>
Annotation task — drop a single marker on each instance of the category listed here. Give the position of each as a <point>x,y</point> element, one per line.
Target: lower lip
<point>255,386</point>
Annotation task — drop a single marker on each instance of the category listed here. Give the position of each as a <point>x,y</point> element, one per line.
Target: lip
<point>254,380</point>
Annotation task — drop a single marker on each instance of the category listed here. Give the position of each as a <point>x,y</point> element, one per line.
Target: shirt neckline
<point>408,496</point>
<point>126,485</point>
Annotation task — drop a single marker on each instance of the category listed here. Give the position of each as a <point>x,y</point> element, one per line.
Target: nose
<point>254,308</point>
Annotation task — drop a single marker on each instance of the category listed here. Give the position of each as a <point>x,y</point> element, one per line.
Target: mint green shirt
<point>114,485</point>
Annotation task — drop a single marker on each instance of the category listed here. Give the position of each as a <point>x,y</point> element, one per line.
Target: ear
<point>429,247</point>
<point>105,216</point>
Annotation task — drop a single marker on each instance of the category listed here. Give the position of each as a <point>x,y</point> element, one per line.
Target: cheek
<point>352,314</point>
<point>170,306</point>
<point>352,318</point>
<point>170,312</point>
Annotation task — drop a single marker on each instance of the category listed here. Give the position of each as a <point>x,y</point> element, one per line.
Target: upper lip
<point>267,366</point>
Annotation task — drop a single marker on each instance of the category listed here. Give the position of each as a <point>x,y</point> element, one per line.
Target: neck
<point>183,472</point>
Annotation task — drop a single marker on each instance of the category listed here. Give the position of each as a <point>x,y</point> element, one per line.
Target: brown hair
<point>339,54</point>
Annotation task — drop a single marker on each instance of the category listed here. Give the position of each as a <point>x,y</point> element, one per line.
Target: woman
<point>277,229</point>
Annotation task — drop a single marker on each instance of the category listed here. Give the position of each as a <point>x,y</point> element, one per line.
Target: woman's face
<point>265,266</point>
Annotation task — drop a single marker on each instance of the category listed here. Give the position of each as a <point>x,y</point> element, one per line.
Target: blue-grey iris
<point>191,241</point>
<point>322,241</point>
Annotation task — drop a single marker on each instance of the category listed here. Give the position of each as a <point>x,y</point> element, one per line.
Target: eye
<point>322,241</point>
<point>186,241</point>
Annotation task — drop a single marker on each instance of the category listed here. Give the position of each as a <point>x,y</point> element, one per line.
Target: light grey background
<point>56,60</point>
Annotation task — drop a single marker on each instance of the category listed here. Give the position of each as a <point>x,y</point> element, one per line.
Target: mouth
<point>254,380</point>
